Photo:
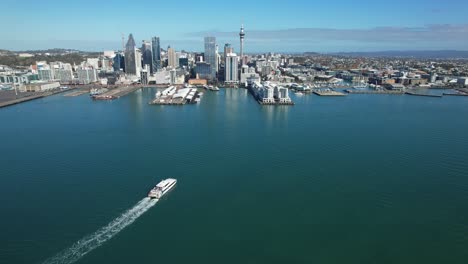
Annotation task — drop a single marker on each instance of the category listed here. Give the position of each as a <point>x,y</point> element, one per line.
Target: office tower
<point>171,58</point>
<point>119,62</point>
<point>130,57</point>
<point>242,35</point>
<point>156,54</point>
<point>227,49</point>
<point>210,54</point>
<point>230,68</point>
<point>147,55</point>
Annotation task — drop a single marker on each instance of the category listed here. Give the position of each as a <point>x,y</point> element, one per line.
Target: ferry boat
<point>162,188</point>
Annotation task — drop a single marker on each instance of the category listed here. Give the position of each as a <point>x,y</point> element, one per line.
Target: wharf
<point>30,98</point>
<point>420,94</point>
<point>192,97</point>
<point>76,93</point>
<point>350,91</point>
<point>328,93</point>
<point>117,93</point>
<point>455,94</point>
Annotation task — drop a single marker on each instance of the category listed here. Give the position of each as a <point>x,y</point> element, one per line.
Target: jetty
<point>31,97</point>
<point>76,93</point>
<point>422,94</point>
<point>328,92</point>
<point>117,93</point>
<point>394,92</point>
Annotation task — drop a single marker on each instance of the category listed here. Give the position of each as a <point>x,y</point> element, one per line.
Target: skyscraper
<point>130,57</point>
<point>156,54</point>
<point>171,58</point>
<point>230,68</point>
<point>210,54</point>
<point>242,35</point>
<point>147,55</point>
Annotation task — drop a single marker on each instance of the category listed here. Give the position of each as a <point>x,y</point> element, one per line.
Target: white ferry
<point>162,188</point>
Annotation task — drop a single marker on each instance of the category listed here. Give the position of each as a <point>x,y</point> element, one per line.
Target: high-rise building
<point>171,58</point>
<point>147,55</point>
<point>242,35</point>
<point>132,63</point>
<point>227,49</point>
<point>119,62</point>
<point>156,54</point>
<point>210,54</point>
<point>231,68</point>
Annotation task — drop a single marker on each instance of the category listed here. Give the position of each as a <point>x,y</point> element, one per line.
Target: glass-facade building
<point>130,56</point>
<point>156,52</point>
<point>210,54</point>
<point>147,55</point>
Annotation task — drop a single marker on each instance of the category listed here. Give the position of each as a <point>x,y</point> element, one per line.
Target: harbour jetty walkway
<point>422,94</point>
<point>328,93</point>
<point>350,91</point>
<point>117,92</point>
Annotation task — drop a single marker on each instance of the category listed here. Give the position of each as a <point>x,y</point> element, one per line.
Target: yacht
<point>162,188</point>
<point>215,89</point>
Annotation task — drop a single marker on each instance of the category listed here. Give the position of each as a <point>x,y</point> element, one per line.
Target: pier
<point>31,97</point>
<point>177,96</point>
<point>328,93</point>
<point>117,93</point>
<point>76,93</point>
<point>426,95</point>
<point>350,91</point>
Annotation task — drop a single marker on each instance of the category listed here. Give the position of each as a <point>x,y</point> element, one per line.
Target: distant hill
<point>434,54</point>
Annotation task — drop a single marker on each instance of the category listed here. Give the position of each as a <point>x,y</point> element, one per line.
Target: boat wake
<point>91,242</point>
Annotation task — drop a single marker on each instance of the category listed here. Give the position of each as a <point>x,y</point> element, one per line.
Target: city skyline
<point>298,26</point>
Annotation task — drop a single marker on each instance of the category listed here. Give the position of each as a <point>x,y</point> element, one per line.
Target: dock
<point>328,93</point>
<point>421,94</point>
<point>177,96</point>
<point>117,93</point>
<point>31,97</point>
<point>76,93</point>
<point>351,91</point>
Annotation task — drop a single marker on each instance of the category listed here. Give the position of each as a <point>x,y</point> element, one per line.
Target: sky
<point>276,26</point>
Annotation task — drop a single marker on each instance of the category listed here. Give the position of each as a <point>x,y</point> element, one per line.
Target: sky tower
<point>242,35</point>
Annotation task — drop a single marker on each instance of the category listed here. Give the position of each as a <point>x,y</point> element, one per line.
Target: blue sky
<point>280,26</point>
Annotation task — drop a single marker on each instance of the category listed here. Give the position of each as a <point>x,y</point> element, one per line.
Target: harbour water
<point>355,179</point>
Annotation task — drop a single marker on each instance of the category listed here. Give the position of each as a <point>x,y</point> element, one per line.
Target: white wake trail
<point>91,242</point>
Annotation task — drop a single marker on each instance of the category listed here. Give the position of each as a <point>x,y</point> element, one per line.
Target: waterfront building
<point>230,69</point>
<point>203,70</point>
<point>87,75</point>
<point>93,62</point>
<point>156,52</point>
<point>63,75</point>
<point>282,93</point>
<point>39,87</point>
<point>147,55</point>
<point>210,54</point>
<point>132,62</point>
<point>45,74</point>
<point>171,58</point>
